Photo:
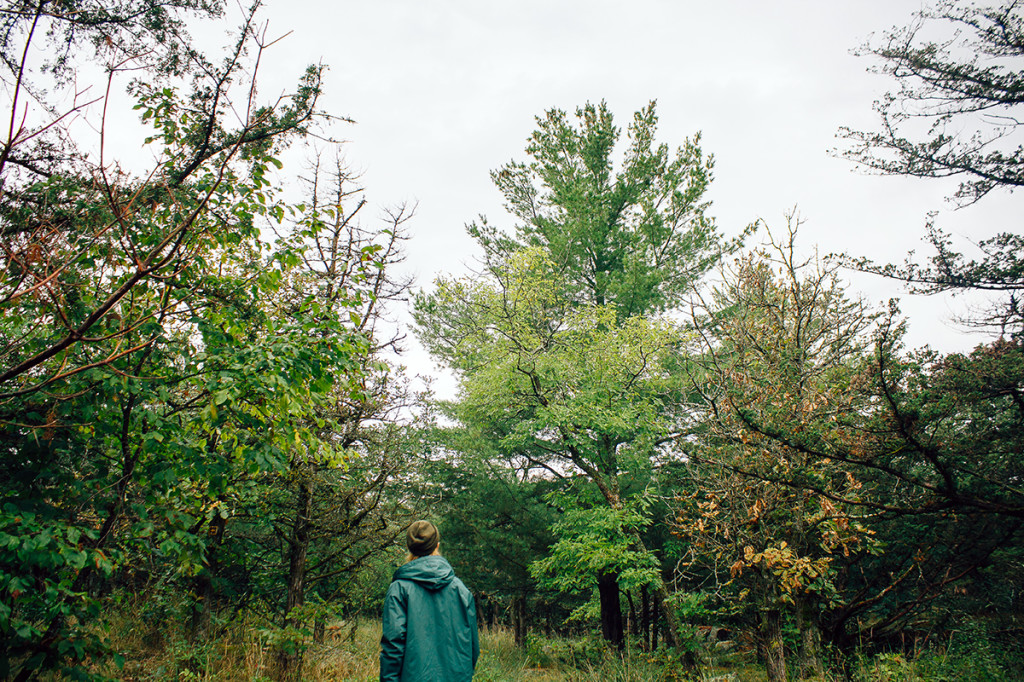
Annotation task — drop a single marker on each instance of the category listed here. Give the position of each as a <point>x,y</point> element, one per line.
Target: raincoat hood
<point>431,572</point>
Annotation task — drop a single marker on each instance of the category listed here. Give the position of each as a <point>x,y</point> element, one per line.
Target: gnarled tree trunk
<point>770,647</point>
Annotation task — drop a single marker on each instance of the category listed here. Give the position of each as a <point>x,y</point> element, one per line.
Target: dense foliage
<point>184,403</point>
<point>662,438</point>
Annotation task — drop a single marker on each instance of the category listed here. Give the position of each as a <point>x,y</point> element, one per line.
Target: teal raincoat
<point>429,624</point>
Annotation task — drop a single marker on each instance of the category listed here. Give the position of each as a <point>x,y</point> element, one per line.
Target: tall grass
<point>160,651</point>
<point>240,654</point>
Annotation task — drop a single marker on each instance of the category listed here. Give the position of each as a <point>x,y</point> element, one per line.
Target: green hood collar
<point>431,572</point>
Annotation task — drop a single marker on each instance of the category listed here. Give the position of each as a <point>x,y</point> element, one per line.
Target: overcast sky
<point>442,91</point>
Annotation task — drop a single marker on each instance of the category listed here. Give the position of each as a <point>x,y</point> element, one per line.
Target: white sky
<point>445,90</point>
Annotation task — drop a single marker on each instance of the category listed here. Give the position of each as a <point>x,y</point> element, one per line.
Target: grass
<point>159,652</point>
<point>351,656</point>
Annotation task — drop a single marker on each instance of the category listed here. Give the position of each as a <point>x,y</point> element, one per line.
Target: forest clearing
<point>670,450</point>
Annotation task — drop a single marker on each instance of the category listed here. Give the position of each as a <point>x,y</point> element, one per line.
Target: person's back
<point>429,618</point>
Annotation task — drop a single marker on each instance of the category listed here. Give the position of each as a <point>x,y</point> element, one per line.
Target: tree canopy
<point>635,235</point>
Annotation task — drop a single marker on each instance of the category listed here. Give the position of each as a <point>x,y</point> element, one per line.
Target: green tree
<point>88,222</point>
<point>495,523</point>
<point>840,443</point>
<point>944,438</point>
<point>557,388</point>
<point>931,444</point>
<point>561,360</point>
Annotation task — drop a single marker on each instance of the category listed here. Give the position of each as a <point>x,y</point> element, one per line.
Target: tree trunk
<point>319,630</point>
<point>203,606</point>
<point>632,626</point>
<point>519,620</point>
<point>770,647</point>
<point>289,661</point>
<point>671,629</point>
<point>661,596</point>
<point>645,617</point>
<point>611,609</point>
<point>810,640</point>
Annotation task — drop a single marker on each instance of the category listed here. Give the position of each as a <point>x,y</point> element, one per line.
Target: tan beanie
<point>421,539</point>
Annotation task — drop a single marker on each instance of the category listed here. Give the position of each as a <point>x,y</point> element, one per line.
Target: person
<point>429,617</point>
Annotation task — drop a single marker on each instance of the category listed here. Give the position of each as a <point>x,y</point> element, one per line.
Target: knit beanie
<point>421,539</point>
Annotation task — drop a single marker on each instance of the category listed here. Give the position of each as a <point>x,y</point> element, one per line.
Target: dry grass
<point>345,655</point>
<point>160,652</point>
<point>150,654</point>
<point>240,655</point>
